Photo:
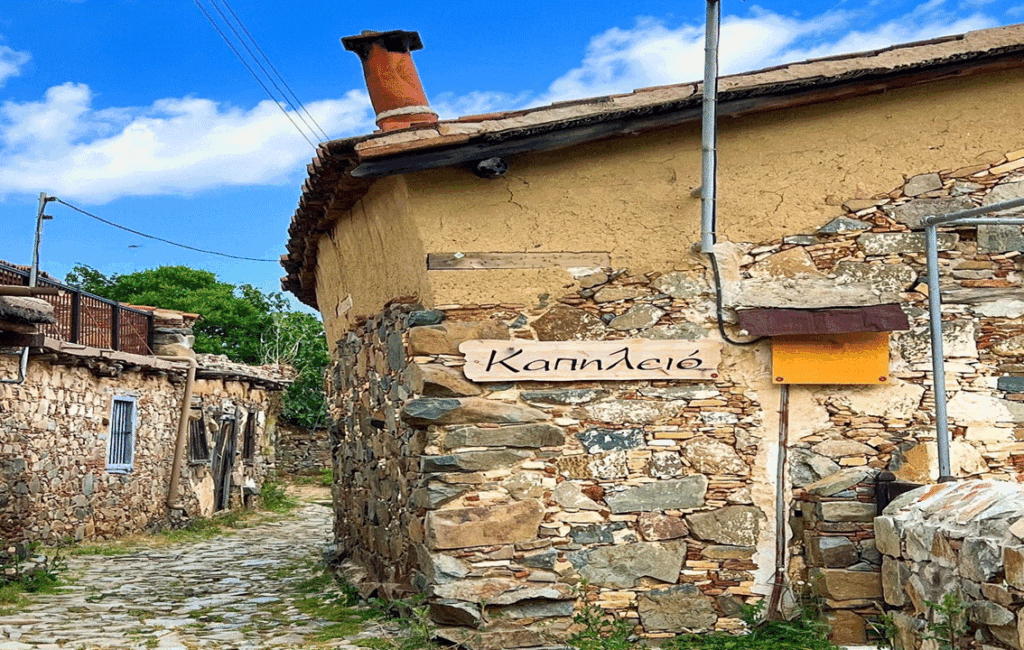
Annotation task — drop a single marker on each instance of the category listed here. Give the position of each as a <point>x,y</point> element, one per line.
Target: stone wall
<point>302,451</point>
<point>964,540</point>
<point>500,500</point>
<point>375,455</point>
<point>53,449</point>
<point>835,558</point>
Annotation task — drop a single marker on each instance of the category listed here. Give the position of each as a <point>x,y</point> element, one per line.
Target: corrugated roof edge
<point>333,182</point>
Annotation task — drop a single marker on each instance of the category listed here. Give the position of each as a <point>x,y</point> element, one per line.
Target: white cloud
<point>11,61</point>
<point>62,145</point>
<point>450,105</point>
<point>653,53</point>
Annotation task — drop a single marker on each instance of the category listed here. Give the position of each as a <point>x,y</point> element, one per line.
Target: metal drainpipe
<point>179,443</point>
<point>938,355</point>
<point>708,130</point>
<point>22,369</point>
<point>932,223</point>
<point>779,582</point>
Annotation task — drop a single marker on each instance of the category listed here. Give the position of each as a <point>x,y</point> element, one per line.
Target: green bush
<point>804,632</point>
<point>274,497</point>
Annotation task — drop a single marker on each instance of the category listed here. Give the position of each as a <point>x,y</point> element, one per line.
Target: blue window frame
<point>121,439</point>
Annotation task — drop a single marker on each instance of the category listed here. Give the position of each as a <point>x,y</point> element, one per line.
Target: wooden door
<point>223,463</point>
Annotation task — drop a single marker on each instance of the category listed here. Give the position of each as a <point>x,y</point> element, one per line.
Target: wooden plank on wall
<point>470,261</point>
<point>628,359</point>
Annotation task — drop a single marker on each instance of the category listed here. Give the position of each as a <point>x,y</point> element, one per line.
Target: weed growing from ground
<point>804,632</point>
<point>20,576</point>
<point>274,497</point>
<point>109,549</point>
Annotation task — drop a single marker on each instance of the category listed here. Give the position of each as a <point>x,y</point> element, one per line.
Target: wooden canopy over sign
<point>631,359</point>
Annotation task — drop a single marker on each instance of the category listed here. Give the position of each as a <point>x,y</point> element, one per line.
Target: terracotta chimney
<point>395,89</point>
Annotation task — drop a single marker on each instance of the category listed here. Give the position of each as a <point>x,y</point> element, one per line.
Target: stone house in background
<point>505,246</point>
<point>88,433</point>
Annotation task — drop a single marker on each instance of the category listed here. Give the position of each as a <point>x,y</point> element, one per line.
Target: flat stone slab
<point>621,566</point>
<point>518,435</point>
<point>675,609</point>
<point>484,526</point>
<point>22,309</point>
<point>425,411</point>
<point>888,243</point>
<point>446,337</point>
<point>681,493</point>
<point>732,525</point>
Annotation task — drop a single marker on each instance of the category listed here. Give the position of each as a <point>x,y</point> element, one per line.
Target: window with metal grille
<point>249,439</point>
<point>121,441</point>
<point>198,446</point>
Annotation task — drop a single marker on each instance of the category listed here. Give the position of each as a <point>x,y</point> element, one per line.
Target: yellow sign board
<point>851,358</point>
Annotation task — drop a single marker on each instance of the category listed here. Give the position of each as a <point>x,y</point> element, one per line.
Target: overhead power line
<point>160,239</point>
<point>279,102</point>
<point>278,74</point>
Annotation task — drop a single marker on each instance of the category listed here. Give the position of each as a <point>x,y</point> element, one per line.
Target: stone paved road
<point>232,592</point>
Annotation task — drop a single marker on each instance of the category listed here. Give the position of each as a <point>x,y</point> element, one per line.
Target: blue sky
<point>137,111</point>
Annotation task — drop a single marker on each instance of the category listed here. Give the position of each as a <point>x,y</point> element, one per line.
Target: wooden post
<point>115,326</point>
<point>76,316</point>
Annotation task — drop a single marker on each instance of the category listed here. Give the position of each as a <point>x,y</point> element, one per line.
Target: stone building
<point>467,269</point>
<point>88,435</point>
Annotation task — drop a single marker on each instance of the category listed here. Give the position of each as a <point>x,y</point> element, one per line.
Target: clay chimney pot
<point>391,78</point>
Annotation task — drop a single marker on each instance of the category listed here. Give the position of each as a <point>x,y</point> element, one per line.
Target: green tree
<point>298,339</point>
<point>242,322</point>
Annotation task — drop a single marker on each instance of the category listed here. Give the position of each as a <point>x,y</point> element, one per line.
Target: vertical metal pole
<point>34,273</point>
<point>938,356</point>
<point>709,136</point>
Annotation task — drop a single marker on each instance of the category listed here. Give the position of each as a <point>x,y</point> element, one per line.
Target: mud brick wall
<point>964,540</point>
<point>54,485</point>
<point>835,558</point>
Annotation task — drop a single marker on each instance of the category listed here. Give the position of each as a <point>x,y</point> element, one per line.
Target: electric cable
<point>719,307</point>
<point>272,67</point>
<point>252,72</point>
<point>160,239</point>
<point>266,75</point>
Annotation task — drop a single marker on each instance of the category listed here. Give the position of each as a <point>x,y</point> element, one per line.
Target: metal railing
<point>88,319</point>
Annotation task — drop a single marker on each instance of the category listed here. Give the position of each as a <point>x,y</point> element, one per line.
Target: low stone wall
<point>841,564</point>
<point>302,451</point>
<point>54,481</point>
<point>962,539</point>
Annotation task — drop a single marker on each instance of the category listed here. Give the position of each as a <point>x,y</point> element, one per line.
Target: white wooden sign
<point>629,359</point>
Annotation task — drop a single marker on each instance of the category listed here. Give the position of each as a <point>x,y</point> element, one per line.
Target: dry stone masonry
<point>302,451</point>
<point>835,555</point>
<point>54,430</point>
<point>964,540</point>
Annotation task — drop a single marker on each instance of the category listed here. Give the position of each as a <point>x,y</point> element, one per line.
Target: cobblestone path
<point>236,591</point>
